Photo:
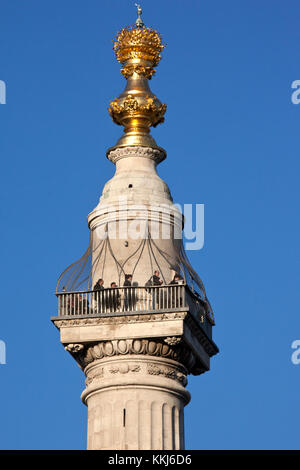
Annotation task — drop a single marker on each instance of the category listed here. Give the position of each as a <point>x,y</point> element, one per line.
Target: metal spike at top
<point>139,22</point>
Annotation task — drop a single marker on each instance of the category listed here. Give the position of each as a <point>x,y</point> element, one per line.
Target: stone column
<point>136,368</point>
<point>135,401</point>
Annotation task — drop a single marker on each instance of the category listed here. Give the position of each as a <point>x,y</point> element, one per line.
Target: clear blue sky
<point>232,137</point>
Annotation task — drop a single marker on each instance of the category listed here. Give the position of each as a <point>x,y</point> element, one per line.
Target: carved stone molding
<point>92,376</point>
<point>173,340</point>
<point>168,372</point>
<point>149,347</point>
<point>124,368</point>
<point>74,348</point>
<point>141,152</point>
<point>115,320</point>
<point>108,370</point>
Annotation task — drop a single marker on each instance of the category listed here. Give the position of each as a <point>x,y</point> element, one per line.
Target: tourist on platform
<point>99,284</point>
<point>99,296</point>
<point>114,297</point>
<point>128,293</point>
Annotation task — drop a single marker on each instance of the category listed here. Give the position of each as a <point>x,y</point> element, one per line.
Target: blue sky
<point>232,137</point>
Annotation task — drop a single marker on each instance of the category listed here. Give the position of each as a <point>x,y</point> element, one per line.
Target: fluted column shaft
<point>135,403</point>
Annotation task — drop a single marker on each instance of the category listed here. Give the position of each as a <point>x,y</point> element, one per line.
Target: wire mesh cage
<point>105,259</point>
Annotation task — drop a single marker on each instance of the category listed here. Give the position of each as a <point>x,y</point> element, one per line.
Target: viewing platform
<point>134,300</point>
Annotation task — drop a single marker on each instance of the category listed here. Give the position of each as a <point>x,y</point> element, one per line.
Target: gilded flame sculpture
<point>138,49</point>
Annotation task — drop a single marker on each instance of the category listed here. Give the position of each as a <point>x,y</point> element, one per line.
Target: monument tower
<point>132,311</point>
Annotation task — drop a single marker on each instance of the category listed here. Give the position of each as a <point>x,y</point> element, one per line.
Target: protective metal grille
<point>80,276</point>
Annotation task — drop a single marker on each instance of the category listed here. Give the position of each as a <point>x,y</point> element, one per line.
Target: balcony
<point>133,300</point>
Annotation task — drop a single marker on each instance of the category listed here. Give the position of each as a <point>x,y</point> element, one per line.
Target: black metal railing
<point>122,299</point>
<point>135,299</point>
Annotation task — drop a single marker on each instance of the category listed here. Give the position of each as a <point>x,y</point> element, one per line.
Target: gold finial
<point>138,49</point>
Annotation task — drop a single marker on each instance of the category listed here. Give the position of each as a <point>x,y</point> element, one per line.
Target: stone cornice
<point>117,319</point>
<point>208,344</point>
<point>156,154</point>
<point>172,338</point>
